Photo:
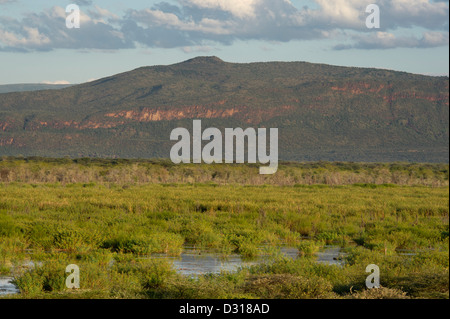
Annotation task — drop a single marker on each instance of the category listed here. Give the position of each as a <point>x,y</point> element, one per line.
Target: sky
<point>117,36</point>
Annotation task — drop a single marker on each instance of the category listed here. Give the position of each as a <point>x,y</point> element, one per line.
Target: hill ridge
<point>323,112</point>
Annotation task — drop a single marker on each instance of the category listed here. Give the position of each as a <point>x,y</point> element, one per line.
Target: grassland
<point>106,216</point>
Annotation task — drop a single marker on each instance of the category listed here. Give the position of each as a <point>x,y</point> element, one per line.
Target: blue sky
<point>117,36</point>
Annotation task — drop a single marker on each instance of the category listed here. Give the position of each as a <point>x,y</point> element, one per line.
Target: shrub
<point>379,293</point>
<point>47,278</point>
<point>287,286</point>
<point>67,239</point>
<point>308,248</point>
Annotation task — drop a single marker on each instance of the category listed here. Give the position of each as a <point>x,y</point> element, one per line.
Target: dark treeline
<point>140,171</point>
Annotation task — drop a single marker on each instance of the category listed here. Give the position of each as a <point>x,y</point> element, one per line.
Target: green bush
<point>308,248</point>
<point>287,286</point>
<point>68,239</point>
<point>49,277</point>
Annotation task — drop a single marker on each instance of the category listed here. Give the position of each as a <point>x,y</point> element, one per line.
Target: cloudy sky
<point>117,36</point>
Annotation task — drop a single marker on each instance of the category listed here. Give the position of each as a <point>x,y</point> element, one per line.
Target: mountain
<point>323,112</point>
<point>7,88</point>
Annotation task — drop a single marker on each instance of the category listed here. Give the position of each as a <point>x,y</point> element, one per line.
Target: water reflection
<point>6,287</point>
<point>331,255</point>
<point>193,262</point>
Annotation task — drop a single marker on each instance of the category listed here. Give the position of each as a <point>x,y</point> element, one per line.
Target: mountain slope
<point>8,88</point>
<point>323,112</point>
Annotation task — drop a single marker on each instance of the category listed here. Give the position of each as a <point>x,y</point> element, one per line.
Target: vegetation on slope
<point>323,112</point>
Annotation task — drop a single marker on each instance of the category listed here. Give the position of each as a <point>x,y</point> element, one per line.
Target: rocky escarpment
<point>323,112</point>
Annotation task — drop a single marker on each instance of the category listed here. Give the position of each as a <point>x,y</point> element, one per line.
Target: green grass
<point>106,228</point>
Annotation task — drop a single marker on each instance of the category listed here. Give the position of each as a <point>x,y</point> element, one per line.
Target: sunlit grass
<point>106,228</point>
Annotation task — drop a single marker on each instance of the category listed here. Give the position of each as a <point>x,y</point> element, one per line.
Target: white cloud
<point>239,8</point>
<point>159,18</point>
<point>56,82</point>
<point>106,13</point>
<point>417,7</point>
<point>198,23</point>
<point>342,13</point>
<point>435,38</point>
<point>32,38</point>
<point>47,30</point>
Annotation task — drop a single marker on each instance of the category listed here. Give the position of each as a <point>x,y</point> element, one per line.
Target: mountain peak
<point>204,60</point>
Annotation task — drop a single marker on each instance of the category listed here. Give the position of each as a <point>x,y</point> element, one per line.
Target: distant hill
<point>323,112</point>
<point>8,88</point>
